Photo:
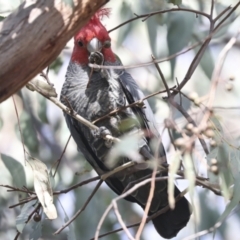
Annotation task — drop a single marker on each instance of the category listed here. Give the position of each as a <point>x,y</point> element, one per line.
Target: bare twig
<point>147,15</point>
<point>163,210</point>
<point>139,102</point>
<point>162,76</point>
<point>80,210</point>
<point>226,17</point>
<point>216,79</point>
<point>119,217</point>
<point>59,160</point>
<point>77,185</point>
<point>75,115</point>
<point>16,189</point>
<point>147,63</point>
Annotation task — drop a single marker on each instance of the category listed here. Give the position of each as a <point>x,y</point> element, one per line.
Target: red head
<point>93,37</point>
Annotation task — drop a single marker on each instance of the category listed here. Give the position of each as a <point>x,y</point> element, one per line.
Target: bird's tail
<point>171,222</point>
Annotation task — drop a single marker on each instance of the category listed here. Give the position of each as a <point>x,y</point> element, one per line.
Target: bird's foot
<point>102,133</point>
<point>96,58</point>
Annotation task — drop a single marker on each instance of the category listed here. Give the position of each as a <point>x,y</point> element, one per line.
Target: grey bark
<point>33,36</point>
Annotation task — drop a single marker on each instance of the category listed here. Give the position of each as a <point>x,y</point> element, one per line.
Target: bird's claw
<point>102,132</point>
<point>96,58</point>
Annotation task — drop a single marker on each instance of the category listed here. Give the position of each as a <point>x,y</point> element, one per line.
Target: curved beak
<point>94,45</point>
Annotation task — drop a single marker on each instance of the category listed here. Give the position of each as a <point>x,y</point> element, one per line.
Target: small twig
<point>117,169</point>
<point>146,16</point>
<point>119,217</point>
<point>75,115</point>
<point>80,210</point>
<point>77,185</point>
<point>17,189</point>
<point>212,7</point>
<point>226,17</point>
<point>204,232</point>
<point>216,79</point>
<point>34,210</point>
<point>190,120</point>
<point>45,76</point>
<point>59,160</point>
<point>222,13</point>
<point>23,201</point>
<point>163,210</point>
<point>162,76</point>
<point>147,63</point>
<point>139,102</point>
<point>18,234</point>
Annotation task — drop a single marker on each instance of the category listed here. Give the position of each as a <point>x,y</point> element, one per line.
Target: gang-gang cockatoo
<point>93,93</point>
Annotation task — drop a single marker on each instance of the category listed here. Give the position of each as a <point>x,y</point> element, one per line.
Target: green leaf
<point>207,63</point>
<point>71,233</point>
<point>212,155</point>
<point>217,129</point>
<point>69,3</point>
<point>16,170</point>
<point>180,28</point>
<point>2,18</point>
<point>36,233</point>
<point>189,173</point>
<point>225,173</point>
<point>28,132</point>
<point>173,168</point>
<point>184,102</point>
<point>234,201</point>
<point>56,65</point>
<point>128,146</point>
<point>1,123</point>
<point>125,13</point>
<point>152,26</point>
<point>23,216</point>
<point>42,111</point>
<point>223,30</point>
<point>175,2</point>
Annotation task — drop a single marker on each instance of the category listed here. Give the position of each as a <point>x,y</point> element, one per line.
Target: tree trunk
<point>34,35</point>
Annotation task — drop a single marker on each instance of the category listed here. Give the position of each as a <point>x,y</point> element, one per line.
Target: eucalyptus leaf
<point>36,233</point>
<point>225,173</point>
<point>152,26</point>
<point>42,111</point>
<point>206,62</point>
<point>23,216</point>
<point>16,170</point>
<point>224,28</point>
<point>71,233</point>
<point>42,187</point>
<point>175,2</point>
<point>180,27</point>
<point>189,173</point>
<point>125,13</point>
<point>69,3</point>
<point>128,146</point>
<point>28,132</point>
<point>173,168</point>
<point>1,123</point>
<point>234,201</point>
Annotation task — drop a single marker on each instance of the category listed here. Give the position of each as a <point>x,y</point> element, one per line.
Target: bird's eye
<point>80,43</point>
<point>107,44</point>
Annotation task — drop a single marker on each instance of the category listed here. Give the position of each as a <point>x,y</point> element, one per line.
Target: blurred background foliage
<point>45,132</point>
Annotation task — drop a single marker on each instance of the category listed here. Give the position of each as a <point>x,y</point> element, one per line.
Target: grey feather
<point>93,94</point>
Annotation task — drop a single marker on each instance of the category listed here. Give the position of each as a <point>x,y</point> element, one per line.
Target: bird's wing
<point>146,116</point>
